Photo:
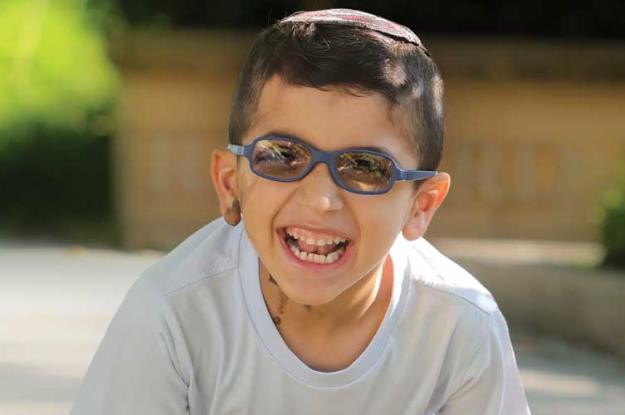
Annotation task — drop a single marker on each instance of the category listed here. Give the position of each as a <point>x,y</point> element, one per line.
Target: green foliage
<point>58,89</point>
<point>53,67</point>
<point>613,226</point>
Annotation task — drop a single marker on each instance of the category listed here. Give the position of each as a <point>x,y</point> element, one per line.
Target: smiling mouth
<point>319,250</point>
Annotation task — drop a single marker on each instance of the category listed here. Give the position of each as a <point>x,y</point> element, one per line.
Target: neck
<point>364,302</point>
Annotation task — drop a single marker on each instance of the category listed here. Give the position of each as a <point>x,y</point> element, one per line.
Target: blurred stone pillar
<point>174,111</point>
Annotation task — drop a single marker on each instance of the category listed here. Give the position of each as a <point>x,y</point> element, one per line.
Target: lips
<point>320,247</point>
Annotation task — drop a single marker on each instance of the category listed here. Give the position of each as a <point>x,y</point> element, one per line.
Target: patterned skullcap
<point>360,19</point>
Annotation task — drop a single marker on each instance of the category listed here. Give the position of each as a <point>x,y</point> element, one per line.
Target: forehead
<point>331,119</point>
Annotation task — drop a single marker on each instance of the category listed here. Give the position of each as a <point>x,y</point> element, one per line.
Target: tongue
<point>324,250</point>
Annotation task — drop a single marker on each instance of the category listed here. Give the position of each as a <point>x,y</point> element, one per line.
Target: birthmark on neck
<point>283,301</point>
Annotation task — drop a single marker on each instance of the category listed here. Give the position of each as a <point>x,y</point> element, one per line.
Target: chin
<point>308,298</point>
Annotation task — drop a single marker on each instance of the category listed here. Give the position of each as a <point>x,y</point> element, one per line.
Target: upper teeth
<point>318,242</point>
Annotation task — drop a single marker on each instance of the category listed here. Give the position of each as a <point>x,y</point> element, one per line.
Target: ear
<point>225,179</point>
<point>427,199</point>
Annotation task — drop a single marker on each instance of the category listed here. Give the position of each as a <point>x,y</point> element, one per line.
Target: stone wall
<point>535,133</point>
<point>530,159</point>
<point>174,111</point>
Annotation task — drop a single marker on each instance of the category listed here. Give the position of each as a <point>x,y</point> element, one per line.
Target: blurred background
<point>109,110</point>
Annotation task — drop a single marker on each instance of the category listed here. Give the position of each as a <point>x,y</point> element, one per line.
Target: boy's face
<point>315,207</point>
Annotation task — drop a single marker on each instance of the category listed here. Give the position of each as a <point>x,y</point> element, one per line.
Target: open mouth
<point>319,250</point>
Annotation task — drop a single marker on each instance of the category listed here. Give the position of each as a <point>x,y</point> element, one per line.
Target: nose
<point>319,192</point>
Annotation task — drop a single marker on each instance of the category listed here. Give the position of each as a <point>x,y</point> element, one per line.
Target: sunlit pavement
<point>56,302</point>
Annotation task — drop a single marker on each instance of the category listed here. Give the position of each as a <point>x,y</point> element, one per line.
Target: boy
<point>316,294</point>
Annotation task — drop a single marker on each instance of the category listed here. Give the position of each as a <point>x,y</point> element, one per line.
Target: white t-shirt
<point>193,336</point>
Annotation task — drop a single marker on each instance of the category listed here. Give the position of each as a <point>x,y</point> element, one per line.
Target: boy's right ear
<point>225,181</point>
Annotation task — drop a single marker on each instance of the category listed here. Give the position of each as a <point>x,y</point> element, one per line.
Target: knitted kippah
<point>360,19</point>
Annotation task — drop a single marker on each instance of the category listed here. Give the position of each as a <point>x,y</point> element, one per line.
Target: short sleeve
<point>491,384</point>
<point>136,369</point>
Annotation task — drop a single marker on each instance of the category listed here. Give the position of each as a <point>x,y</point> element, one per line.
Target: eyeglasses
<point>358,170</point>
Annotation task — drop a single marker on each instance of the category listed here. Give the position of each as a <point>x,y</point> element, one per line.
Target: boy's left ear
<point>427,199</point>
<point>225,181</point>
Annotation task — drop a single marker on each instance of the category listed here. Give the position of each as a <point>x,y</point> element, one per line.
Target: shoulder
<point>207,254</point>
<point>451,328</point>
<point>467,318</point>
<point>439,276</point>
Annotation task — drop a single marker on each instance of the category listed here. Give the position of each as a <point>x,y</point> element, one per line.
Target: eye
<point>370,164</point>
<point>280,158</point>
<point>279,151</point>
<point>365,172</point>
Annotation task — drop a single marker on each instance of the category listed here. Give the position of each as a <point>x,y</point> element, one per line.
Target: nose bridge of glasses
<point>329,159</point>
<point>320,182</point>
<point>316,166</point>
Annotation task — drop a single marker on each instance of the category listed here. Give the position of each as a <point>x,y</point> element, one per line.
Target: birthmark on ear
<point>308,307</point>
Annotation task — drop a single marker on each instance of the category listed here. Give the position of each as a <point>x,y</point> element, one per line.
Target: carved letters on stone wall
<point>511,173</point>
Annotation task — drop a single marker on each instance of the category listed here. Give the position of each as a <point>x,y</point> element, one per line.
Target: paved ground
<point>56,302</point>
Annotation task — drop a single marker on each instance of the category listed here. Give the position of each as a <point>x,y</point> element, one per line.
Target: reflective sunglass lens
<point>280,159</point>
<point>365,172</point>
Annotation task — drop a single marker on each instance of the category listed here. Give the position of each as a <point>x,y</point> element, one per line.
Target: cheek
<point>383,226</point>
<point>255,191</point>
<point>383,217</point>
<point>261,200</point>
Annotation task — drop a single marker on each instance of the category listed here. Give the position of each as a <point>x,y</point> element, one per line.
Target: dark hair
<point>358,61</point>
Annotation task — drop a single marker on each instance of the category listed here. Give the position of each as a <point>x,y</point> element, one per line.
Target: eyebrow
<point>282,133</point>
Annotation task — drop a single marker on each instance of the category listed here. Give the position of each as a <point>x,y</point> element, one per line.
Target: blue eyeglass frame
<point>329,157</point>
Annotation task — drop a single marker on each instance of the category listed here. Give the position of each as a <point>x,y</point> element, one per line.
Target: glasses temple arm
<point>416,174</point>
<point>236,149</point>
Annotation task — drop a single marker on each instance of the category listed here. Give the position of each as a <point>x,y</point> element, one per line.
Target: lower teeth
<point>318,258</point>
